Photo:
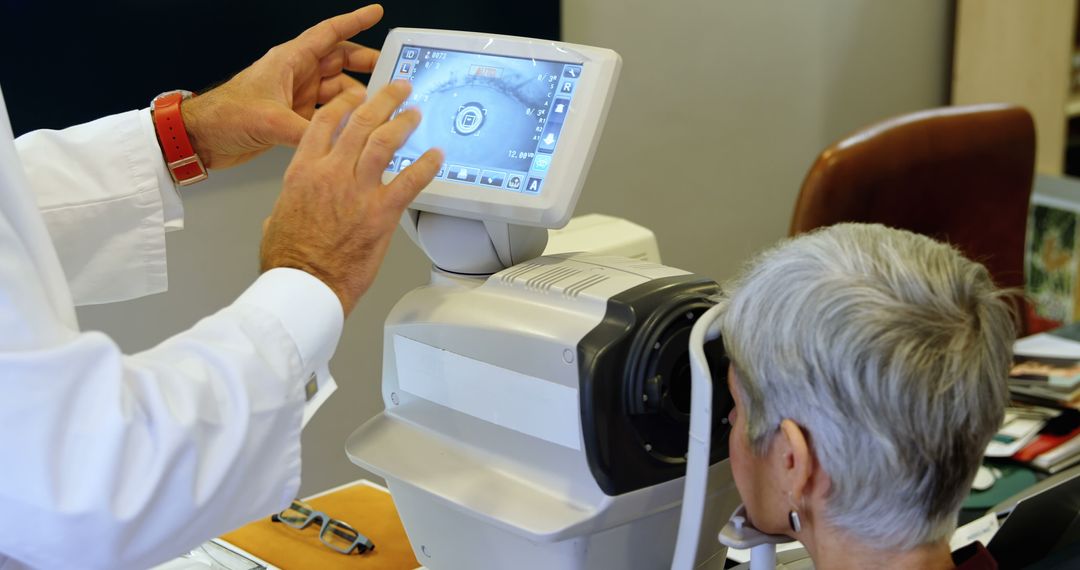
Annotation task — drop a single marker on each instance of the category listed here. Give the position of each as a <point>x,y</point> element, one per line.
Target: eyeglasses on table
<point>335,534</point>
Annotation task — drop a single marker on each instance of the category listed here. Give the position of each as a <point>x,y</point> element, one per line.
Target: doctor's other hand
<point>271,102</point>
<point>334,217</point>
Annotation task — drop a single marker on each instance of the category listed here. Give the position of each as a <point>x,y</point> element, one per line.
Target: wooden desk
<point>365,506</point>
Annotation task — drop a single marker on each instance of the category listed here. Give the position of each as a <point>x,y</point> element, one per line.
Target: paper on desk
<point>1045,345</point>
<point>981,529</point>
<point>217,554</point>
<point>1013,436</point>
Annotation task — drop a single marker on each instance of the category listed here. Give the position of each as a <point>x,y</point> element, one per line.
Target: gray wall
<point>721,108</point>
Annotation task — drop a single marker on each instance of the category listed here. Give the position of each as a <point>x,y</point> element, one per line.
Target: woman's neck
<point>839,551</point>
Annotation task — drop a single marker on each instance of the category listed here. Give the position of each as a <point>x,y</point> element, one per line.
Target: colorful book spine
<point>1043,444</point>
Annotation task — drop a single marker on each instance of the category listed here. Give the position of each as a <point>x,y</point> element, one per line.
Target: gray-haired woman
<point>869,372</point>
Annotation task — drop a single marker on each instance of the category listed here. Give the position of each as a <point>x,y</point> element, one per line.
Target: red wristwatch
<point>184,165</point>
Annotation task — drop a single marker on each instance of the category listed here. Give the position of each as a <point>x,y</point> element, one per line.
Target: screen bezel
<point>554,205</point>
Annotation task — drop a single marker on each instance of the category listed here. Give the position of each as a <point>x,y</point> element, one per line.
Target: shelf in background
<point>1072,105</point>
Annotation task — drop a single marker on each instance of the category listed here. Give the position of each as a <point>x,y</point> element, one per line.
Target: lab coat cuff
<point>170,193</point>
<point>307,308</point>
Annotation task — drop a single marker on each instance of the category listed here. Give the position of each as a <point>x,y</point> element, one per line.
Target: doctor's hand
<point>334,217</point>
<point>271,102</point>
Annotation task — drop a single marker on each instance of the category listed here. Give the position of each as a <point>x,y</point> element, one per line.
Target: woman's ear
<point>796,462</point>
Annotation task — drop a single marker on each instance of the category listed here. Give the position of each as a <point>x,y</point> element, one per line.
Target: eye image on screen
<point>497,118</point>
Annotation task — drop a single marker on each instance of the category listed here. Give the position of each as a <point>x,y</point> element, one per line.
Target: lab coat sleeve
<point>107,200</point>
<point>118,461</point>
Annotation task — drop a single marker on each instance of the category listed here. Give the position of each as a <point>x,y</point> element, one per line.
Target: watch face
<point>184,94</point>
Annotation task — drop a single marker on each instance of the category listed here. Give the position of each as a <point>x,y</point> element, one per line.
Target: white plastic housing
<point>472,247</point>
<point>481,441</point>
<point>604,235</point>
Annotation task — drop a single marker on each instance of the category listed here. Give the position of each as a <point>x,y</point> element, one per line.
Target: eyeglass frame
<point>361,544</point>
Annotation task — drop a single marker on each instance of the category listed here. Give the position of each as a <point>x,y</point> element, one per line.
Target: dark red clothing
<point>974,556</point>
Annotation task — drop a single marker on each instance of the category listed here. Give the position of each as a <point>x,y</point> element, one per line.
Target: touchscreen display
<point>497,118</point>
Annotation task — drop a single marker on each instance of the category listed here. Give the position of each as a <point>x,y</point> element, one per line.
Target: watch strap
<point>184,165</point>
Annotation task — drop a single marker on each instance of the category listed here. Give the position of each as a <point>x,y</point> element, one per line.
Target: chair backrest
<point>958,174</point>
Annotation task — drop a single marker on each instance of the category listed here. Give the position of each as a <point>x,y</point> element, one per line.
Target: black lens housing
<point>635,384</point>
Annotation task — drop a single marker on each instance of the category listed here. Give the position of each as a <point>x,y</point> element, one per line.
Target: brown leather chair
<point>959,174</point>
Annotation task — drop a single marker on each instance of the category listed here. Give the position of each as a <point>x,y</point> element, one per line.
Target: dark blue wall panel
<point>63,63</point>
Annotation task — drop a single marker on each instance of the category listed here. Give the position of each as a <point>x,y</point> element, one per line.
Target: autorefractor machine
<point>538,407</point>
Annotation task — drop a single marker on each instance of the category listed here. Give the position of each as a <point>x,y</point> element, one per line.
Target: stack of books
<point>1040,438</point>
<point>1046,381</point>
<point>1042,428</point>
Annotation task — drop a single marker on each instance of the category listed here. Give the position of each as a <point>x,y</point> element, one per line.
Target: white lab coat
<point>122,461</point>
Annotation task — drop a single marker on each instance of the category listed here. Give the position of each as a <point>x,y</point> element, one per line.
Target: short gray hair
<point>892,351</point>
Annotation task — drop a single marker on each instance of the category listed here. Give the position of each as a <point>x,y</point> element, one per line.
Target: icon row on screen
<point>515,181</point>
<point>399,163</point>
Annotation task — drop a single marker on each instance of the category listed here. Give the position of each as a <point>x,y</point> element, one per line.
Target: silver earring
<point>793,520</point>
